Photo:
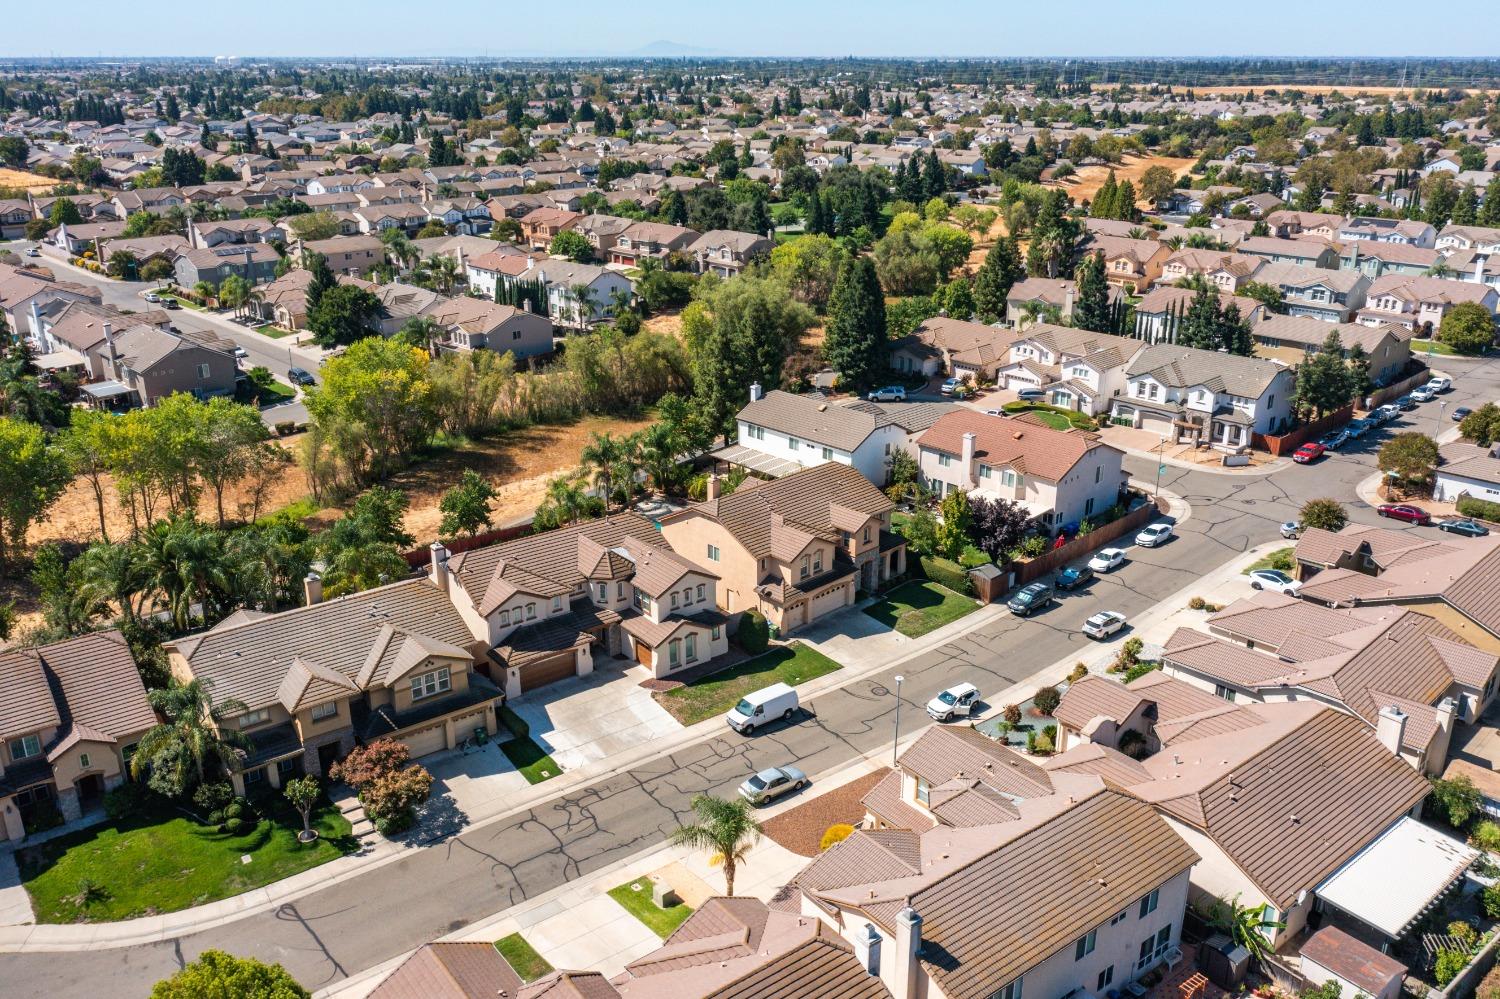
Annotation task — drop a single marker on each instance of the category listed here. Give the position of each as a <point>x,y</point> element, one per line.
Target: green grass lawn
<point>790,664</point>
<point>523,957</point>
<point>1054,420</point>
<point>529,758</point>
<point>1430,347</point>
<point>916,608</point>
<point>635,896</point>
<point>1281,558</point>
<point>164,861</point>
<point>276,393</point>
<point>274,331</point>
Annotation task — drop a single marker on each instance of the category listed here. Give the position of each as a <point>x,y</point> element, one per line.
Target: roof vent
<point>1295,820</point>
<point>1017,435</point>
<point>822,407</point>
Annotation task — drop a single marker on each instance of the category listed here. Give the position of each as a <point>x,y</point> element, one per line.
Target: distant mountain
<point>670,50</point>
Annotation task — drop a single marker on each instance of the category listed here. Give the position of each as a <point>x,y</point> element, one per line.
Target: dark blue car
<point>1074,576</point>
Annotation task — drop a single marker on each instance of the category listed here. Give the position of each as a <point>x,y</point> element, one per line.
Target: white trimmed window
<point>25,747</point>
<point>690,646</point>
<point>713,553</point>
<point>1011,991</point>
<point>701,592</point>
<point>327,709</point>
<point>250,718</point>
<point>1084,945</point>
<point>438,681</point>
<point>828,454</point>
<point>1148,903</point>
<point>793,443</point>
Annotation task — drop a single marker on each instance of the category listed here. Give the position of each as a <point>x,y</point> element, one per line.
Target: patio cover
<point>63,358</point>
<point>756,461</point>
<point>1395,879</point>
<point>107,389</point>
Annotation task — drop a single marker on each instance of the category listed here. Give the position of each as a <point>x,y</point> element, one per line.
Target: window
<point>620,590</point>
<point>515,335</point>
<point>793,443</point>
<point>674,651</point>
<point>984,471</point>
<point>713,553</point>
<point>715,633</point>
<point>83,761</point>
<point>1011,991</point>
<point>806,570</point>
<point>756,433</point>
<point>26,747</point>
<point>944,460</point>
<point>690,646</point>
<point>556,604</point>
<point>1119,917</point>
<point>326,710</point>
<point>1084,946</point>
<point>674,601</point>
<point>255,776</point>
<point>828,454</point>
<point>603,592</point>
<point>701,592</point>
<point>505,617</point>
<point>530,612</point>
<point>250,718</point>
<point>865,534</point>
<point>1009,478</point>
<point>1225,692</point>
<point>818,560</point>
<point>1148,903</point>
<point>203,372</point>
<point>428,684</point>
<point>1098,471</point>
<point>1105,978</point>
<point>923,789</point>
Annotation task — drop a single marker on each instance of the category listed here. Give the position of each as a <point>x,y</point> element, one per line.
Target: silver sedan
<point>772,783</point>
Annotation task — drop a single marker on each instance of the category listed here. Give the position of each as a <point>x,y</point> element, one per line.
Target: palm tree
<point>725,827</point>
<point>1246,925</point>
<point>565,501</point>
<point>194,732</point>
<point>444,271</point>
<point>185,564</point>
<point>583,303</point>
<point>601,459</point>
<point>1439,270</point>
<point>205,291</point>
<point>115,573</point>
<point>1136,232</point>
<point>659,448</point>
<point>1035,312</point>
<point>1173,243</point>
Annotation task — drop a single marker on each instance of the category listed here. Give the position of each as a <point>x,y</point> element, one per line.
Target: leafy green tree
<point>303,793</point>
<point>956,525</point>
<point>573,245</point>
<point>322,280</point>
<point>13,152</point>
<point>1413,457</point>
<point>855,342</point>
<point>1091,309</point>
<point>724,827</point>
<point>466,507</point>
<point>809,267</point>
<point>68,608</point>
<point>65,212</point>
<point>997,275</point>
<point>1324,513</point>
<point>33,473</point>
<point>1468,328</point>
<point>737,334</point>
<point>1482,426</point>
<point>315,226</point>
<point>217,975</point>
<point>1456,801</point>
<point>344,314</point>
<point>1252,927</point>
<point>193,743</point>
<point>373,410</point>
<point>1235,335</point>
<point>1324,382</point>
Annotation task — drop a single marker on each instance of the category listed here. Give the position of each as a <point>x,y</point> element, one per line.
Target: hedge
<point>1472,506</point>
<point>1079,421</point>
<point>946,572</point>
<point>754,634</point>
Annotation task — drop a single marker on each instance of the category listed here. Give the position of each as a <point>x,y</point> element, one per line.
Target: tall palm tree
<point>115,573</point>
<point>725,827</point>
<point>444,272</point>
<point>659,447</point>
<point>601,458</point>
<point>1173,243</point>
<point>583,303</point>
<point>1439,270</point>
<point>193,734</point>
<point>566,499</point>
<point>185,565</point>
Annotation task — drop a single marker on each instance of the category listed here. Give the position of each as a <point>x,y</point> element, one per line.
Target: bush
<point>836,833</point>
<point>1043,744</point>
<point>1132,744</point>
<point>1047,700</point>
<point>1197,603</point>
<point>1465,934</point>
<point>1079,672</point>
<point>1490,899</point>
<point>1479,509</point>
<point>1324,513</point>
<point>1128,656</point>
<point>211,798</point>
<point>1140,669</point>
<point>947,573</point>
<point>1486,836</point>
<point>234,811</point>
<point>1033,545</point>
<point>233,826</point>
<point>370,762</point>
<point>1449,964</point>
<point>394,798</point>
<point>1012,714</point>
<point>285,428</point>
<point>754,634</point>
<point>127,800</point>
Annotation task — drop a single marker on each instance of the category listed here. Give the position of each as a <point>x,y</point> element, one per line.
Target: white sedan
<point>1107,559</point>
<point>1154,535</point>
<point>1274,580</point>
<point>1104,624</point>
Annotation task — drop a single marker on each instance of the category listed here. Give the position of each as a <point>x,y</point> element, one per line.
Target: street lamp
<point>896,740</point>
<point>1161,456</point>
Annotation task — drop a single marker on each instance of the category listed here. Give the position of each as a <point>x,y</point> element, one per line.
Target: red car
<point>1401,511</point>
<point>1310,451</point>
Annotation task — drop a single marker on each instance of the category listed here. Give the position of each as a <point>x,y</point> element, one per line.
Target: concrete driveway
<point>589,718</point>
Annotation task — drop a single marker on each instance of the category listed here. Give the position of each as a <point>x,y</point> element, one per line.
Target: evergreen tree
<point>322,279</point>
<point>1103,205</point>
<point>1125,199</point>
<point>1489,213</point>
<point>674,208</point>
<point>999,272</point>
<point>1466,208</point>
<point>1234,332</point>
<point>855,344</point>
<point>1091,309</point>
<point>1200,327</point>
<point>935,181</point>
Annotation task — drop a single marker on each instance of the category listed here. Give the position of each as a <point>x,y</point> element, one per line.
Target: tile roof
<point>808,500</point>
<point>1038,450</point>
<point>1357,963</point>
<point>90,682</point>
<point>1184,367</point>
<point>451,971</point>
<point>941,754</point>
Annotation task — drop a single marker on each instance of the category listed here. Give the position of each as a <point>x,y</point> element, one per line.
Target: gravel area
<point>801,829</point>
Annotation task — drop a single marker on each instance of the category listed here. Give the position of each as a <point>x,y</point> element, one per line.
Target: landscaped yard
<point>635,896</point>
<point>916,608</point>
<point>276,393</point>
<point>1281,558</point>
<point>523,957</point>
<point>164,861</point>
<point>529,758</point>
<point>1430,347</point>
<point>790,664</point>
<point>273,331</point>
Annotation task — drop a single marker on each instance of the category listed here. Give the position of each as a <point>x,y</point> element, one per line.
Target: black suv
<point>1032,597</point>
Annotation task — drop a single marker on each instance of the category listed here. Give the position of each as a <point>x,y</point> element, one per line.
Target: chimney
<point>904,972</point>
<point>968,458</point>
<point>109,347</point>
<point>1479,269</point>
<point>755,392</point>
<point>36,321</point>
<point>312,589</point>
<point>1390,728</point>
<point>711,490</point>
<point>1447,711</point>
<point>439,568</point>
<point>867,948</point>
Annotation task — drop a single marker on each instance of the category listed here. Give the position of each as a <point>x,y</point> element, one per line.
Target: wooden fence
<point>418,557</point>
<point>1395,390</point>
<point>1293,439</point>
<point>1024,572</point>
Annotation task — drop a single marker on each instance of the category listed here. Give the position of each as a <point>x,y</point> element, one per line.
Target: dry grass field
<point>25,181</point>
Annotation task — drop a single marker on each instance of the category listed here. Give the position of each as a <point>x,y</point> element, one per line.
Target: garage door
<point>827,603</point>
<point>428,740</point>
<point>1156,423</point>
<point>534,675</point>
<point>642,653</point>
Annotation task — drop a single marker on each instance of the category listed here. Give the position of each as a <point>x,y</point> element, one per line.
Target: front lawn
<point>273,331</point>
<point>163,861</point>
<point>916,608</point>
<point>635,896</point>
<point>523,957</point>
<point>1430,347</point>
<point>529,758</point>
<point>790,664</point>
<point>1282,558</point>
<point>276,393</point>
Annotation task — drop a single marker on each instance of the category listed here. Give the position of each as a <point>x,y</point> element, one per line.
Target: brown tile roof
<point>941,754</point>
<point>27,704</point>
<point>804,499</point>
<point>451,971</point>
<point>1093,696</point>
<point>885,802</point>
<point>90,682</point>
<point>999,441</point>
<point>1355,962</point>
<point>570,985</point>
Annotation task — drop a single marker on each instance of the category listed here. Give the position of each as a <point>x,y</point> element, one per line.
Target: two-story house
<point>253,262</point>
<point>1226,272</point>
<point>1291,339</point>
<point>1419,303</point>
<point>602,232</point>
<point>965,350</point>
<point>1375,259</point>
<point>23,295</point>
<point>70,718</point>
<point>1132,264</point>
<point>1059,476</point>
<point>475,324</point>
<point>1330,295</point>
<point>797,548</point>
<point>344,254</point>
<point>1079,369</point>
<point>1159,313</point>
<point>727,252</point>
<point>1303,252</point>
<point>1204,396</point>
<point>540,225</point>
<point>781,433</point>
<point>642,240</point>
<point>1408,232</point>
<point>144,364</point>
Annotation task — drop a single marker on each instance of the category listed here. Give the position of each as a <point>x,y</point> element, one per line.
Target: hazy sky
<point>747,27</point>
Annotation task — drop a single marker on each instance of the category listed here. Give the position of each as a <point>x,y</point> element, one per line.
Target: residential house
<point>1287,223</point>
<point>76,240</point>
<point>204,234</point>
<point>144,364</point>
<point>1481,239</point>
<point>403,215</point>
<point>284,300</point>
<point>1375,259</point>
<point>1079,369</point>
<point>1420,303</point>
<point>797,548</point>
<point>965,350</point>
<point>1407,232</point>
<point>1329,295</point>
<point>540,225</point>
<point>252,262</point>
<point>344,254</point>
<point>14,214</point>
<point>1132,264</point>
<point>1291,339</point>
<point>72,714</point>
<point>476,324</point>
<point>656,240</point>
<point>1059,477</point>
<point>1159,312</point>
<point>727,252</point>
<point>72,334</point>
<point>602,232</point>
<point>1302,252</point>
<point>1208,397</point>
<point>578,295</point>
<point>781,433</point>
<point>23,294</point>
<point>1223,271</point>
<point>1466,470</point>
<point>1049,300</point>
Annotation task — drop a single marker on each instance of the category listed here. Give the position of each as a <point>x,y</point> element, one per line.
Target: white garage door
<point>827,603</point>
<point>428,740</point>
<point>1156,423</point>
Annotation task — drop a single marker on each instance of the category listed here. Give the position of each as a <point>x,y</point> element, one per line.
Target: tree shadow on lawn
<point>907,597</point>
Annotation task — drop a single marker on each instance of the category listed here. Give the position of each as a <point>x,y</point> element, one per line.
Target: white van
<point>762,707</point>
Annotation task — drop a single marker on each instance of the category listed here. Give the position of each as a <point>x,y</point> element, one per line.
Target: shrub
<point>1449,963</point>
<point>754,634</point>
<point>212,798</point>
<point>1128,656</point>
<point>1033,545</point>
<point>1465,934</point>
<point>1079,672</point>
<point>1047,699</point>
<point>285,428</point>
<point>1031,740</point>
<point>1197,603</point>
<point>89,892</point>
<point>1490,899</point>
<point>394,798</point>
<point>1457,801</point>
<point>946,573</point>
<point>233,826</point>
<point>1043,744</point>
<point>370,762</point>
<point>127,800</point>
<point>836,833</point>
<point>235,810</point>
<point>517,725</point>
<point>1012,714</point>
<point>1325,513</point>
<point>1486,835</point>
<point>1479,509</point>
<point>1140,669</point>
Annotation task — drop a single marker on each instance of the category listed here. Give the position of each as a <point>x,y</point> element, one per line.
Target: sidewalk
<point>1369,490</point>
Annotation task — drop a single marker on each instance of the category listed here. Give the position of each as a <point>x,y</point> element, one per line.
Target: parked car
<point>32,251</point>
<point>1274,580</point>
<point>298,376</point>
<point>1462,525</point>
<point>957,701</point>
<point>1358,428</point>
<point>1333,440</point>
<point>1424,393</point>
<point>1406,402</point>
<point>950,386</point>
<point>1439,384</point>
<point>890,393</point>
<point>240,353</point>
<point>1459,413</point>
<point>1309,452</point>
<point>1075,576</point>
<point>170,303</point>
<point>1291,530</point>
<point>1386,413</point>
<point>1029,598</point>
<point>1404,511</point>
<point>1104,624</point>
<point>1031,395</point>
<point>1154,535</point>
<point>771,783</point>
<point>1107,559</point>
<point>762,707</point>
<point>152,297</point>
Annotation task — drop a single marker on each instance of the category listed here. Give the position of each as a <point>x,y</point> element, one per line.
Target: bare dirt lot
<point>1085,184</point>
<point>24,180</point>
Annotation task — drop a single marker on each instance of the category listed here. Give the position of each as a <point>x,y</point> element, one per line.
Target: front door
<point>90,791</point>
<point>328,755</point>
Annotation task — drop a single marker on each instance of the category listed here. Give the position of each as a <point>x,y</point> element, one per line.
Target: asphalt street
<point>365,920</point>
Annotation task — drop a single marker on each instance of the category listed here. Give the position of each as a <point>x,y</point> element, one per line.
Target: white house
<point>1079,369</point>
<point>1184,393</point>
<point>1464,469</point>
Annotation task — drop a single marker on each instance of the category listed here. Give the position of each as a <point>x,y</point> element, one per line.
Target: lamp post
<point>896,739</point>
<point>1161,451</point>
